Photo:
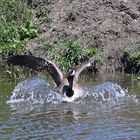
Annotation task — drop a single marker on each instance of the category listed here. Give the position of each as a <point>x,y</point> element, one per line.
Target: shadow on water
<point>33,109</point>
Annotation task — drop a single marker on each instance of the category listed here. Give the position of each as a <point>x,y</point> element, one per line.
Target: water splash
<point>30,89</point>
<point>110,93</point>
<point>32,93</point>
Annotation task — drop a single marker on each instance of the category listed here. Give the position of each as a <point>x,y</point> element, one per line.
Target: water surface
<point>107,112</point>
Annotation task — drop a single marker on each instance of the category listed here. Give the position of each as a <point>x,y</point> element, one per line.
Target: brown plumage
<point>67,85</point>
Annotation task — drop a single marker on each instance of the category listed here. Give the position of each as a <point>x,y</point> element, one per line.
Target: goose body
<point>67,85</point>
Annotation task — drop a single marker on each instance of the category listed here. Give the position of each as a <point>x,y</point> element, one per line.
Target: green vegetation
<point>42,13</point>
<point>68,53</point>
<point>135,42</point>
<point>16,26</point>
<point>95,54</point>
<point>132,58</point>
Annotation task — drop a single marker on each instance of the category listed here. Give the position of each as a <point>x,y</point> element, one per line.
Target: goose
<point>67,85</point>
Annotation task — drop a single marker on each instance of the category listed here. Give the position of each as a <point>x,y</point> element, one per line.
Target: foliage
<point>68,53</point>
<point>93,53</point>
<point>42,13</point>
<point>16,25</point>
<point>135,42</point>
<point>132,59</point>
<point>132,56</point>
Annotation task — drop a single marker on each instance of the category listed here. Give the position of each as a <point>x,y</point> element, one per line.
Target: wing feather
<point>81,68</point>
<point>38,64</point>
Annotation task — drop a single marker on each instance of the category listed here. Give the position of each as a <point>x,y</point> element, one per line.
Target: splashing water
<point>28,90</point>
<point>33,90</point>
<point>36,91</point>
<point>106,111</point>
<point>108,95</point>
<point>31,94</point>
<point>108,91</point>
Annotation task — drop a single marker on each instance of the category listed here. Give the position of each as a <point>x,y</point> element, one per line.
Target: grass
<point>66,55</point>
<point>68,52</point>
<point>95,54</point>
<point>132,59</point>
<point>42,14</point>
<point>16,26</point>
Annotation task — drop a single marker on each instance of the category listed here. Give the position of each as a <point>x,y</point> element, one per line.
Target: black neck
<point>70,80</point>
<point>70,91</point>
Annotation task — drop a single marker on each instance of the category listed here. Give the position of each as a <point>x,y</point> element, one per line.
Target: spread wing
<point>81,68</point>
<point>38,64</point>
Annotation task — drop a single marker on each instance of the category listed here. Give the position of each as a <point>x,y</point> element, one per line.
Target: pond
<point>107,112</point>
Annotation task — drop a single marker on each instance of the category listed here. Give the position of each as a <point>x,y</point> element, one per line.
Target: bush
<point>16,25</point>
<point>66,55</point>
<point>131,60</point>
<point>93,53</point>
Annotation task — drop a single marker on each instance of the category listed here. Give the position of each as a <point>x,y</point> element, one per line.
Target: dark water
<point>107,112</point>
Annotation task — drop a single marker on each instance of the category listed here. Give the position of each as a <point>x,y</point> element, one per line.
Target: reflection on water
<point>36,111</point>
